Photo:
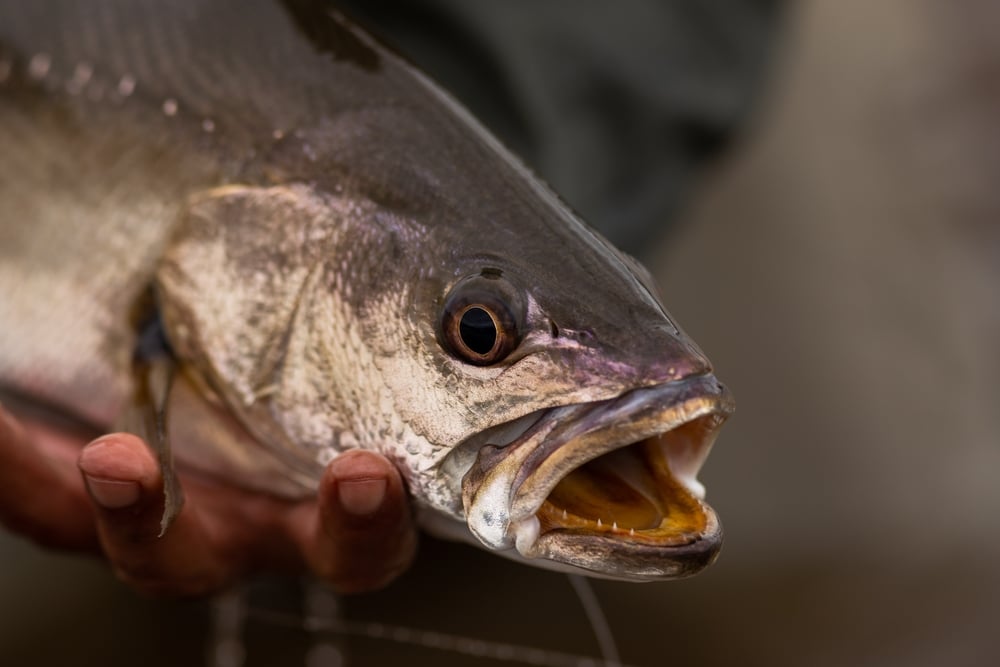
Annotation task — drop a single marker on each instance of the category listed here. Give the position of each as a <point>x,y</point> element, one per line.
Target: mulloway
<point>246,224</point>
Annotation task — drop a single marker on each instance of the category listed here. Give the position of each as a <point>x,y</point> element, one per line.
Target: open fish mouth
<point>609,487</point>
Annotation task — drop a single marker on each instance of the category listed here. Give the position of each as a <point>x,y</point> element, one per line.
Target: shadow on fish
<point>339,257</point>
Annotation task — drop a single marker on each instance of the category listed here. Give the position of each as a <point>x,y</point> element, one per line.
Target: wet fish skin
<point>303,202</point>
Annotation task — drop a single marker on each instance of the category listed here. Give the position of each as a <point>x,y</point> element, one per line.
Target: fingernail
<point>361,496</point>
<point>113,494</point>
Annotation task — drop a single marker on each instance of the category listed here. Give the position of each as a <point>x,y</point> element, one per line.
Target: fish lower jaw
<point>614,555</point>
<point>615,552</point>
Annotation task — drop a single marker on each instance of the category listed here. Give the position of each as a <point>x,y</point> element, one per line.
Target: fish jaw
<point>608,488</point>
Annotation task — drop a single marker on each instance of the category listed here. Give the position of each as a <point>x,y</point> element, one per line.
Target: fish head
<point>456,316</point>
<point>580,413</point>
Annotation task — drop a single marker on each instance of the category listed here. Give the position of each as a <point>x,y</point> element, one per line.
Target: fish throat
<point>632,493</point>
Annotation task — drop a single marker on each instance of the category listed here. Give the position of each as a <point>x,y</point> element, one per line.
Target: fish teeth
<point>564,515</point>
<point>599,524</point>
<point>631,532</point>
<point>614,525</point>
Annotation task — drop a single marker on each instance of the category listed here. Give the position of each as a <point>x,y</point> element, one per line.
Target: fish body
<point>340,257</point>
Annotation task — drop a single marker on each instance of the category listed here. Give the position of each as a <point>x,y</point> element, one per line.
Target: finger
<point>360,534</point>
<point>126,488</point>
<point>41,496</point>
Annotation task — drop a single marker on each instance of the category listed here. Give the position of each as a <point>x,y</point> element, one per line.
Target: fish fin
<point>153,371</point>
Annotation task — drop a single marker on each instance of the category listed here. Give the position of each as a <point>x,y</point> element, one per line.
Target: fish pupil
<point>478,330</point>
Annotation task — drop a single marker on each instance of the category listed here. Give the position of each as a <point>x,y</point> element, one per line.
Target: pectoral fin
<point>153,372</point>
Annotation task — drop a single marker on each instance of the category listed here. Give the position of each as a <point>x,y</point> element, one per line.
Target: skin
<point>105,497</point>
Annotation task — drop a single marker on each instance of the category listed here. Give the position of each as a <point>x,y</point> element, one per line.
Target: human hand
<point>357,534</point>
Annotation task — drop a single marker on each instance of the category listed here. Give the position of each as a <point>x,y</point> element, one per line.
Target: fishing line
<point>598,621</point>
<point>441,641</point>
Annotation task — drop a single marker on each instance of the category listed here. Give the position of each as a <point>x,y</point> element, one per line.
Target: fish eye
<point>482,320</point>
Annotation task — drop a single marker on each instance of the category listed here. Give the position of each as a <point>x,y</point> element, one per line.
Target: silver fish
<point>339,257</point>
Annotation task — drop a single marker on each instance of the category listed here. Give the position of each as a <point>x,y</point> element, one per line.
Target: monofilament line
<point>441,641</point>
<point>598,621</point>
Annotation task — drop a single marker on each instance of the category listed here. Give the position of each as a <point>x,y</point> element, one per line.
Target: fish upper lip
<point>620,421</point>
<point>507,485</point>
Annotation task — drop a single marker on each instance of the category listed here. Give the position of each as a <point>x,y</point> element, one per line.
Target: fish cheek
<point>228,281</point>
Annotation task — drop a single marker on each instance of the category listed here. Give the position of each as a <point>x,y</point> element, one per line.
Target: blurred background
<point>817,188</point>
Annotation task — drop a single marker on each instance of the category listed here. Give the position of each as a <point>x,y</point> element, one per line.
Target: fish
<point>259,237</point>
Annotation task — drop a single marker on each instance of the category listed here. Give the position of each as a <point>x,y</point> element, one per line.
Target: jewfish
<point>315,249</point>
